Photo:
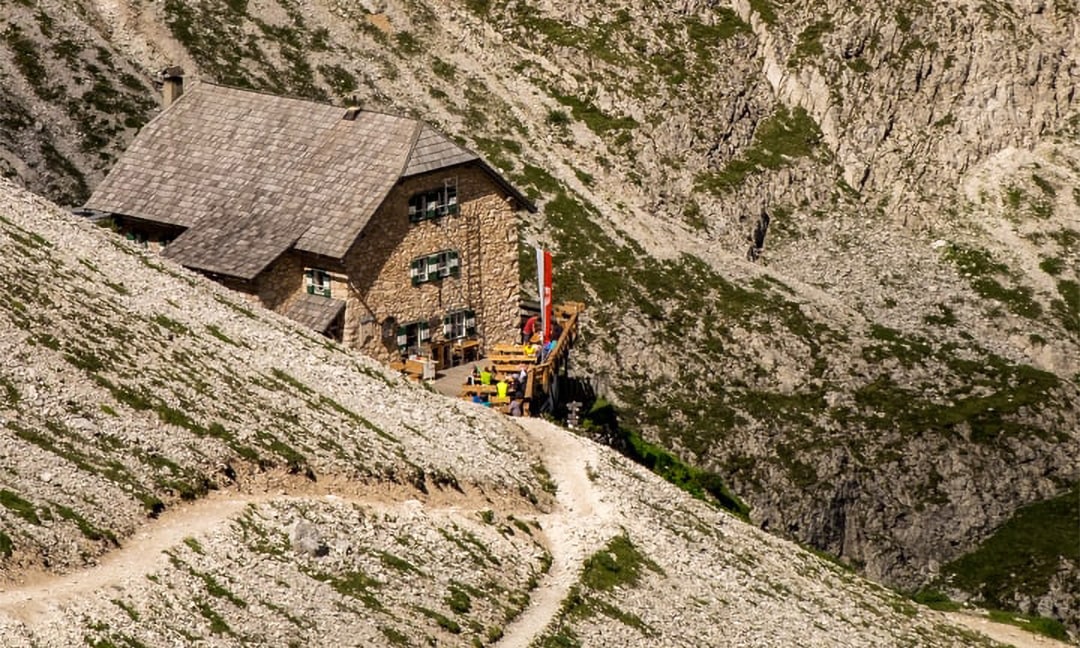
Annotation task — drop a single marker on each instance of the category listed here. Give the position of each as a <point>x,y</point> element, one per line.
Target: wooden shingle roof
<point>252,174</point>
<point>315,312</point>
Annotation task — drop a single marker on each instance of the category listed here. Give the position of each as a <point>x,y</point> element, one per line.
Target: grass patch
<point>395,636</point>
<point>597,121</point>
<point>217,622</point>
<point>216,332</point>
<point>618,564</point>
<point>602,420</point>
<point>982,271</point>
<point>19,507</point>
<point>357,585</point>
<point>778,140</point>
<point>89,531</point>
<point>1067,309</point>
<point>398,563</point>
<point>444,622</point>
<point>809,43</point>
<point>1023,555</point>
<point>458,600</point>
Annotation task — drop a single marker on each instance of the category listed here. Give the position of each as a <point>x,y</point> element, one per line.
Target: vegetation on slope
<point>1024,556</point>
<point>866,397</point>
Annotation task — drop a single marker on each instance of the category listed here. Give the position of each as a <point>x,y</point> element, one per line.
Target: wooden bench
<point>509,358</point>
<point>414,369</point>
<point>470,390</point>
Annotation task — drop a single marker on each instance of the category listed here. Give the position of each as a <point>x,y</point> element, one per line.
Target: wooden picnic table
<point>508,358</point>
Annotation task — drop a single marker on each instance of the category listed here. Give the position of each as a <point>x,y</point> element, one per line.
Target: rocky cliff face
<point>830,250</point>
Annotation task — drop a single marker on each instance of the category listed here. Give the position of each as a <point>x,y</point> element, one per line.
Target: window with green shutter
<point>459,324</point>
<point>317,282</point>
<point>432,267</point>
<point>411,336</point>
<point>434,203</point>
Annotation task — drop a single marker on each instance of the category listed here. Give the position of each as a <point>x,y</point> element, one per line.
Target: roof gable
<point>288,168</point>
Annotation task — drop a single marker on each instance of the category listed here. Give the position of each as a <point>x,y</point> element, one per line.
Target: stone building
<point>371,228</point>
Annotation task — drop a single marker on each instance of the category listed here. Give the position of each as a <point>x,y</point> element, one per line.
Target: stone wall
<point>484,233</point>
<point>277,286</point>
<point>374,277</point>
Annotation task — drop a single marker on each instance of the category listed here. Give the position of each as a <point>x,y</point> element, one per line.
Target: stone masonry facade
<point>373,279</point>
<point>483,233</point>
<point>374,276</point>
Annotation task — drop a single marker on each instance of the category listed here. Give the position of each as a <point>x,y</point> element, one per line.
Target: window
<point>434,203</point>
<point>459,324</point>
<point>410,336</point>
<point>317,282</point>
<point>435,266</point>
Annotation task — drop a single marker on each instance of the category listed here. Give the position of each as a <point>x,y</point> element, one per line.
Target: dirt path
<point>574,532</point>
<point>1003,632</point>
<point>579,527</point>
<point>37,594</point>
<point>139,555</point>
<point>581,524</point>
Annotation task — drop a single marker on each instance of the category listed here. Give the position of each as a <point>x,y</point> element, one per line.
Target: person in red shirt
<point>531,326</point>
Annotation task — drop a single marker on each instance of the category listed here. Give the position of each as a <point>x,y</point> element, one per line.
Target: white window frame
<point>459,324</point>
<point>410,344</point>
<point>434,203</point>
<point>431,267</point>
<point>317,282</point>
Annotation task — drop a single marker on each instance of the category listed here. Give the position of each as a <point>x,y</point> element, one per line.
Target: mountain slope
<point>386,516</point>
<point>896,374</point>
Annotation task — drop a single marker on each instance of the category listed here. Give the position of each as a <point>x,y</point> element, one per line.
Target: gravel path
<point>574,531</point>
<point>1003,632</point>
<point>30,600</point>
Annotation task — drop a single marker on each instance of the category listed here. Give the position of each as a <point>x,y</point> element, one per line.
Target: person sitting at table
<point>515,407</point>
<point>528,348</point>
<point>501,387</point>
<point>474,377</point>
<point>485,376</point>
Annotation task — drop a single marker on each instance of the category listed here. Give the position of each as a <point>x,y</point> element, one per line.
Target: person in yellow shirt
<point>501,387</point>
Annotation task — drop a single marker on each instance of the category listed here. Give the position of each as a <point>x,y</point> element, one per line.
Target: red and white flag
<point>543,275</point>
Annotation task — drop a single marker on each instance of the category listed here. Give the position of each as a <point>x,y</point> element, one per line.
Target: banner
<point>543,276</point>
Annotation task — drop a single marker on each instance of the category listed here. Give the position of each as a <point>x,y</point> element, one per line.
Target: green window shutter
<point>451,200</point>
<point>470,323</point>
<point>424,332</point>
<point>433,266</point>
<point>415,271</point>
<point>453,261</point>
<point>448,327</point>
<point>402,339</point>
<point>309,281</point>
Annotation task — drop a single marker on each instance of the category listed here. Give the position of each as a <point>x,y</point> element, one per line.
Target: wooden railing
<point>507,360</point>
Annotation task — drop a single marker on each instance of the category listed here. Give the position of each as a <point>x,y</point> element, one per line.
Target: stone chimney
<point>172,85</point>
